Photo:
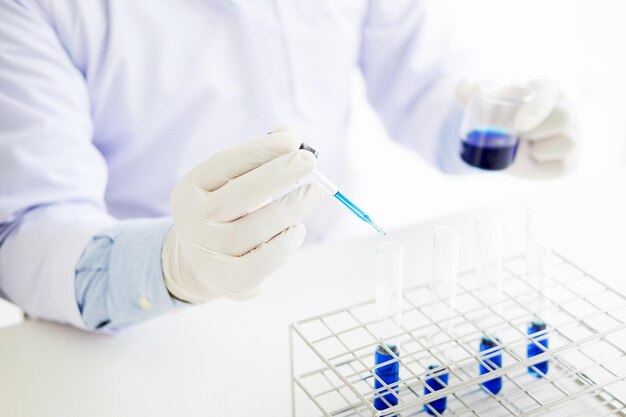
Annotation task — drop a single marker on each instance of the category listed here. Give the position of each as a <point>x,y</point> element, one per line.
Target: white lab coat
<point>105,104</point>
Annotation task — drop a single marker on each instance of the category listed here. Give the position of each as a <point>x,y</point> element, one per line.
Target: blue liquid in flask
<point>490,149</point>
<point>389,374</point>
<point>436,380</point>
<point>493,358</point>
<point>537,330</point>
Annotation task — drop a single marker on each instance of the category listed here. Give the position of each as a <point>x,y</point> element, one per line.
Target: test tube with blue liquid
<point>446,242</point>
<point>538,264</point>
<point>388,299</point>
<point>489,269</point>
<point>333,190</point>
<point>489,139</point>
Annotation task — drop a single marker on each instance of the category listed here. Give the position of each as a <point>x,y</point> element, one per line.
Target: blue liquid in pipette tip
<point>389,373</point>
<point>492,358</point>
<point>489,149</point>
<point>537,330</point>
<point>356,210</point>
<point>436,380</point>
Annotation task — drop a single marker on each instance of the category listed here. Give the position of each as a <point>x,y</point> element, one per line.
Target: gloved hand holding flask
<point>533,124</point>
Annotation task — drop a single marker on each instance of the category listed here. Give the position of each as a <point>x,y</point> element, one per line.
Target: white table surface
<point>231,358</point>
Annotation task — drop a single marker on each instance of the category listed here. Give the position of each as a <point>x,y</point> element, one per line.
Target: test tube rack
<point>332,354</point>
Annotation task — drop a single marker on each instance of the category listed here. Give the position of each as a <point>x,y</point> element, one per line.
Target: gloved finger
<point>530,115</point>
<point>260,263</point>
<point>240,236</point>
<point>231,163</point>
<point>247,192</point>
<point>248,294</point>
<point>464,90</point>
<point>561,118</point>
<point>261,225</point>
<point>553,149</point>
<point>285,128</point>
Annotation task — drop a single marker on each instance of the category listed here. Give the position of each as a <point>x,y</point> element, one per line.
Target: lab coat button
<point>145,303</point>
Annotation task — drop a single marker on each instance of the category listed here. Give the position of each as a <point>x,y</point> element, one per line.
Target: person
<point>127,185</point>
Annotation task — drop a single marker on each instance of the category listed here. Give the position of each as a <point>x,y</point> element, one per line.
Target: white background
<point>579,43</point>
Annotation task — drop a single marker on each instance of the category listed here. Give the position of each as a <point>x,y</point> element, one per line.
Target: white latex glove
<point>225,242</point>
<point>548,131</point>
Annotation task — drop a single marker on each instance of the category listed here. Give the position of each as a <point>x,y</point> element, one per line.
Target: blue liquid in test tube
<point>493,359</point>
<point>538,261</point>
<point>446,243</point>
<point>489,268</point>
<point>436,380</point>
<point>390,374</point>
<point>490,149</point>
<point>537,330</point>
<point>389,271</point>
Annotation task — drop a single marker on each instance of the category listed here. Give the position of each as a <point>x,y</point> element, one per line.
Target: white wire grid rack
<point>332,355</point>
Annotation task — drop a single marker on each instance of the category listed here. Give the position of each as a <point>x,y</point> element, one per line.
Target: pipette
<point>333,190</point>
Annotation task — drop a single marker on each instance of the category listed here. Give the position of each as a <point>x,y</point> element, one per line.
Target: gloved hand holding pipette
<point>225,240</point>
<point>543,119</point>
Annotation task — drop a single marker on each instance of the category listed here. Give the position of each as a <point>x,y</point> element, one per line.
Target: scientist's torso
<point>172,82</point>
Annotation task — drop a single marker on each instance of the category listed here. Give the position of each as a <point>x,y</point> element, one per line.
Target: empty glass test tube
<point>446,242</point>
<point>538,264</point>
<point>489,269</point>
<point>389,271</point>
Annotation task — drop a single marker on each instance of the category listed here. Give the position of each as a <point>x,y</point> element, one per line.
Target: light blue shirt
<point>119,280</point>
<point>105,104</point>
